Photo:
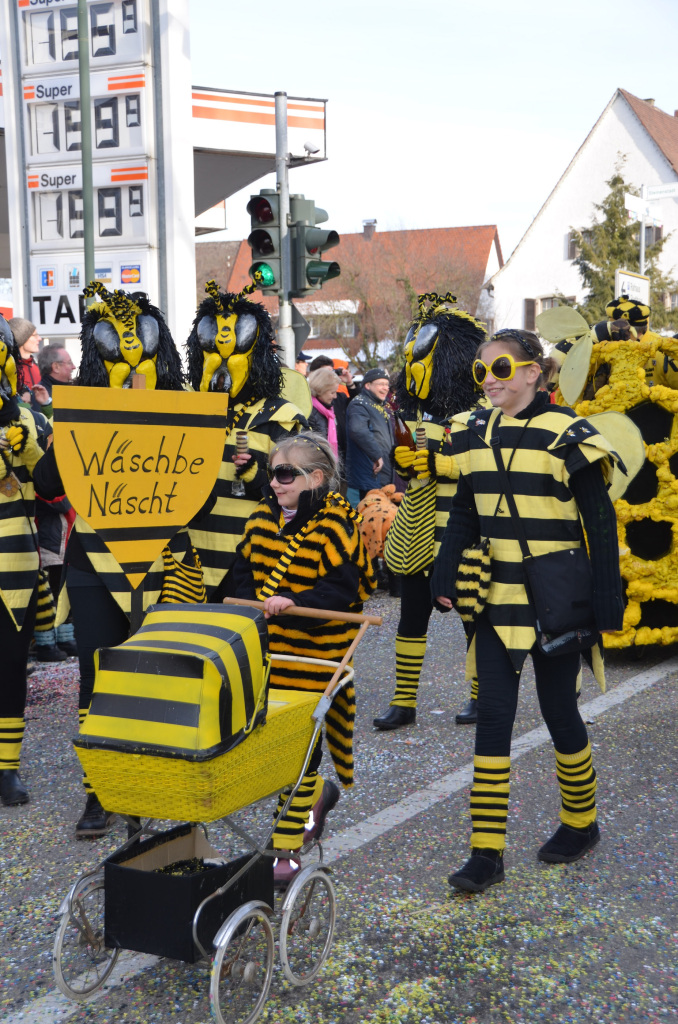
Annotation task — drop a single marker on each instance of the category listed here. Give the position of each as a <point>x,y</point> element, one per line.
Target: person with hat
<point>301,365</point>
<point>370,435</point>
<point>28,342</point>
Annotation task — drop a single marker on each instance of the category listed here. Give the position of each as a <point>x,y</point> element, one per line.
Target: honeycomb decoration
<point>647,515</point>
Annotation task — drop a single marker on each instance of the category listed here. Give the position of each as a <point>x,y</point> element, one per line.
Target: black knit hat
<point>375,374</point>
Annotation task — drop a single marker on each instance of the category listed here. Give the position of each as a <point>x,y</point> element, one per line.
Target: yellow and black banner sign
<point>137,465</point>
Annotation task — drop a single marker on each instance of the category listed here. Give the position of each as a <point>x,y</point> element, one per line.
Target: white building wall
<point>539,266</point>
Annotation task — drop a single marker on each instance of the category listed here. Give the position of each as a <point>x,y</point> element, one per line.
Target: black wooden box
<point>151,912</point>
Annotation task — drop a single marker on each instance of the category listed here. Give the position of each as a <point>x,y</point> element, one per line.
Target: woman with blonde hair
<point>324,385</point>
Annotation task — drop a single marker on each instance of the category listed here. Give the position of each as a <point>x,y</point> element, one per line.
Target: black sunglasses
<point>284,473</point>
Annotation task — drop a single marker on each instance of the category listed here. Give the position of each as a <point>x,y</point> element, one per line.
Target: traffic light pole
<point>285,329</point>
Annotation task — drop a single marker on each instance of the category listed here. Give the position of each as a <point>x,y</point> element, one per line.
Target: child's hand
<point>276,605</point>
<point>241,459</point>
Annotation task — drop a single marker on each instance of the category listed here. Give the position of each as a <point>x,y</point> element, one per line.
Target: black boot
<point>568,844</point>
<point>482,869</point>
<point>95,821</point>
<point>395,717</point>
<point>12,789</point>
<point>48,652</point>
<point>69,648</point>
<point>469,715</point>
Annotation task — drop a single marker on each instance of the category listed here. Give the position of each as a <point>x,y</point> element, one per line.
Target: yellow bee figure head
<point>123,336</point>
<point>8,371</point>
<point>439,350</point>
<point>231,347</point>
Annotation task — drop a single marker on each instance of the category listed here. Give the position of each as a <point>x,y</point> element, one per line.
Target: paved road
<point>593,942</point>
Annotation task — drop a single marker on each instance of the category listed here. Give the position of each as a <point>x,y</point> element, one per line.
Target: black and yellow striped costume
<point>415,602</point>
<point>19,566</point>
<point>542,448</point>
<point>217,536</point>
<point>326,567</point>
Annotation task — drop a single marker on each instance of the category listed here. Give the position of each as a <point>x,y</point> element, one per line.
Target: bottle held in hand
<point>238,486</point>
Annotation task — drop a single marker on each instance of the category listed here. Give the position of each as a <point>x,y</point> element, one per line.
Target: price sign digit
<point>69,34</point>
<point>43,38</point>
<point>106,123</point>
<point>103,30</point>
<point>51,215</point>
<point>75,214</point>
<point>47,127</point>
<point>73,128</point>
<point>110,212</point>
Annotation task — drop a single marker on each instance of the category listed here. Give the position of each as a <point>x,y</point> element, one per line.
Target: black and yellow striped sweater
<point>541,452</point>
<point>19,560</point>
<point>438,442</point>
<point>217,536</point>
<point>330,569</point>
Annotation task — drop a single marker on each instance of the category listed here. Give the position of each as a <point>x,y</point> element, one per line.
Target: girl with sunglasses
<point>302,547</point>
<point>557,467</point>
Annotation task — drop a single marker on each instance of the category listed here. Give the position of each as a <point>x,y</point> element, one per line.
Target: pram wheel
<point>243,965</point>
<point>307,925</point>
<point>81,961</point>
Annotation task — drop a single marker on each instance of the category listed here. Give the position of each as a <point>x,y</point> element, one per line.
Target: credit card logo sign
<point>130,274</point>
<point>47,278</point>
<point>104,275</point>
<point>74,277</point>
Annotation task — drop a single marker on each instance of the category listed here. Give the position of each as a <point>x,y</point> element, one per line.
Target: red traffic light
<point>261,243</point>
<point>260,208</point>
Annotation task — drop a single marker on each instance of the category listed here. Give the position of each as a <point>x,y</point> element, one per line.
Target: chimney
<point>369,227</point>
<point>650,102</point>
<point>675,113</point>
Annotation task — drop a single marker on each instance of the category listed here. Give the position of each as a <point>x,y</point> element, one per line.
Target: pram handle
<point>313,613</point>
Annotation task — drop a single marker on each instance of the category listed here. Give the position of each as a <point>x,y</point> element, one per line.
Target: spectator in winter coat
<point>324,384</point>
<point>28,342</point>
<point>370,435</point>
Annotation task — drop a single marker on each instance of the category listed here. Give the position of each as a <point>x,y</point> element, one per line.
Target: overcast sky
<point>440,113</point>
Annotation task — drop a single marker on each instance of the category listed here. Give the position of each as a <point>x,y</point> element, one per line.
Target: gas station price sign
<point>51,33</point>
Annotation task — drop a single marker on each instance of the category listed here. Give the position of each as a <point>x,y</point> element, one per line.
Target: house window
<point>653,233</point>
<point>346,327</point>
<point>530,313</point>
<point>549,303</point>
<point>313,333</point>
<point>674,300</point>
<point>573,249</point>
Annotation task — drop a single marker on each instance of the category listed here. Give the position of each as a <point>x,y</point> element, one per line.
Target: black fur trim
<point>453,389</point>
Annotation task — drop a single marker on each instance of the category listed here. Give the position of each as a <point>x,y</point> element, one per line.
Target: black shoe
<point>328,799</point>
<point>69,647</point>
<point>12,789</point>
<point>568,844</point>
<point>95,821</point>
<point>48,652</point>
<point>469,715</point>
<point>482,869</point>
<point>395,717</point>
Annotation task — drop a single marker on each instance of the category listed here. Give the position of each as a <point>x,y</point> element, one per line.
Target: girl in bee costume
<point>232,349</point>
<point>302,546</point>
<point>122,336</point>
<point>435,383</point>
<point>19,564</point>
<point>556,464</point>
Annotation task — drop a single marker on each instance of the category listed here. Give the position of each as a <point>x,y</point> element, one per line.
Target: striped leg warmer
<point>289,833</point>
<point>474,688</point>
<point>410,651</point>
<point>11,735</point>
<point>45,615</point>
<point>577,782</point>
<point>489,802</point>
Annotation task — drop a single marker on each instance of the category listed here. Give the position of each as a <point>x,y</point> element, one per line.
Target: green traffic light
<point>266,275</point>
<point>319,271</point>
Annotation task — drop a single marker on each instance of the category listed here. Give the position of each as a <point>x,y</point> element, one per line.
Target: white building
<point>541,265</point>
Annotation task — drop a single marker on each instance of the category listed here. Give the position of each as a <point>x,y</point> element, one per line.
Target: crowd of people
<point>487,452</point>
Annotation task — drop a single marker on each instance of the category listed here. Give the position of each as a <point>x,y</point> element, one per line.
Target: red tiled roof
<point>662,127</point>
<point>427,257</point>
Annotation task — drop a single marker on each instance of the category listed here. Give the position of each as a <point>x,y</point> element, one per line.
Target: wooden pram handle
<point>313,613</point>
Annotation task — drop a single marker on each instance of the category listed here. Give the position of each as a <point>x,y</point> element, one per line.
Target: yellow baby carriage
<point>183,727</point>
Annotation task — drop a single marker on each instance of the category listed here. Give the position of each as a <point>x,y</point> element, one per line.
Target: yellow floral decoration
<point>645,527</point>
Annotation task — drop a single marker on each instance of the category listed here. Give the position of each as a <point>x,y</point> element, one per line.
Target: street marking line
<point>56,1008</point>
<point>383,821</point>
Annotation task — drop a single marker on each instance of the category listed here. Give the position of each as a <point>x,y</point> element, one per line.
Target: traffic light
<point>309,270</point>
<point>264,240</point>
